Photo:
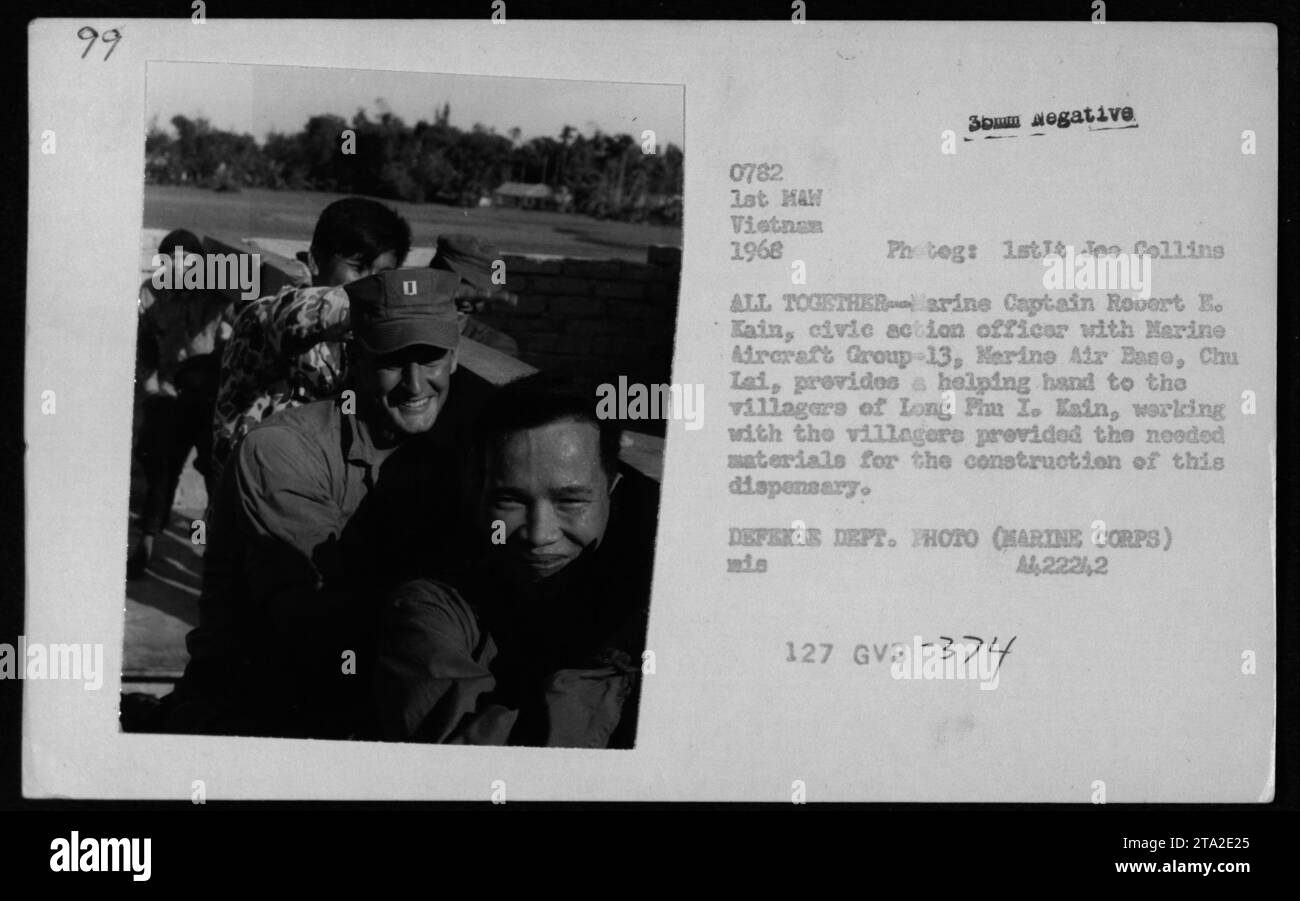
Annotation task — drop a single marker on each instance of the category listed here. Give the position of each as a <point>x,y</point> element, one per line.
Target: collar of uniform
<point>358,447</point>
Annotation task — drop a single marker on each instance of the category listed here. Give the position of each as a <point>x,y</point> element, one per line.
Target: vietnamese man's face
<point>547,487</point>
<point>405,390</point>
<point>339,270</point>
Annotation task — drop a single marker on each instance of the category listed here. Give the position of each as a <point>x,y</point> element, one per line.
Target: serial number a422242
<point>1073,565</point>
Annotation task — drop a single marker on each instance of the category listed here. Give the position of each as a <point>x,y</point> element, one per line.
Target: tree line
<point>603,175</point>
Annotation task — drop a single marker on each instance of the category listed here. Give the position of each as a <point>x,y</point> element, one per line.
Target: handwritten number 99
<point>90,36</point>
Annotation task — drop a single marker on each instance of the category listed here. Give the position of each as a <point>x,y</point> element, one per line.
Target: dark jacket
<point>485,657</point>
<point>303,546</point>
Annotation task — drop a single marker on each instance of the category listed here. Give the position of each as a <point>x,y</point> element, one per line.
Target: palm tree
<point>566,135</point>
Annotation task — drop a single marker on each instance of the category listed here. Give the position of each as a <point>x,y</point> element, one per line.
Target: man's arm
<point>304,317</point>
<point>146,343</point>
<point>432,679</point>
<point>225,319</point>
<point>287,515</point>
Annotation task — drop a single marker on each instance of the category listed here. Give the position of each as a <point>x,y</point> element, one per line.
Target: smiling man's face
<point>404,391</point>
<point>547,485</point>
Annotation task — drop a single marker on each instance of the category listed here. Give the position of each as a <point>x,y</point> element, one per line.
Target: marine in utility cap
<point>287,570</point>
<point>404,338</point>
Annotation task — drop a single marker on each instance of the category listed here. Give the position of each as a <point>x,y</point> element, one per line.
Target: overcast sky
<point>261,99</point>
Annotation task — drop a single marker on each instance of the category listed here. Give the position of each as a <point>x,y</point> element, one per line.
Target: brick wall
<point>596,318</point>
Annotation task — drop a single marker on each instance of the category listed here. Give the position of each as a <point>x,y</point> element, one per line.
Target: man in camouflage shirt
<point>287,349</point>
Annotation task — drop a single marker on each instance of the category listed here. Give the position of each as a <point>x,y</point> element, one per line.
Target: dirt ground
<point>162,607</point>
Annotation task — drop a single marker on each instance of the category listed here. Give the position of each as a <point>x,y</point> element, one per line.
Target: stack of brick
<point>596,318</point>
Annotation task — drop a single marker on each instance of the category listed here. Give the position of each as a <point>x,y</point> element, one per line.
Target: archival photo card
<point>412,419</point>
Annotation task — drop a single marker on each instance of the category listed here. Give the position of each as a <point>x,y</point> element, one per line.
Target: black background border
<point>955,847</point>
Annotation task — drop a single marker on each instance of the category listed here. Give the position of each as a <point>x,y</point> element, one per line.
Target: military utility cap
<point>469,257</point>
<point>402,307</point>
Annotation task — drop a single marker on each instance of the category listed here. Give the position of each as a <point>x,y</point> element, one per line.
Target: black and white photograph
<point>375,493</point>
